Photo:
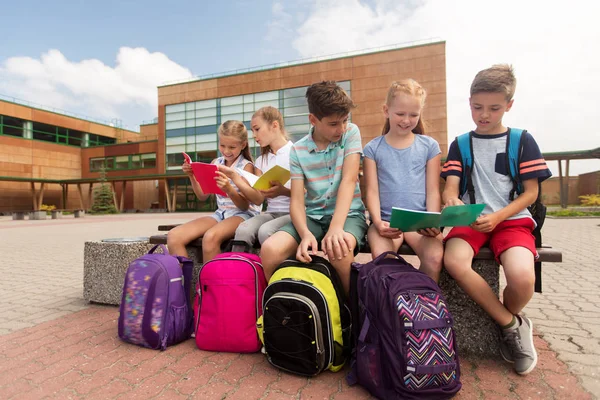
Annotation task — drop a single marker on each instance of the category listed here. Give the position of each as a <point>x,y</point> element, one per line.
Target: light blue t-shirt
<point>401,172</point>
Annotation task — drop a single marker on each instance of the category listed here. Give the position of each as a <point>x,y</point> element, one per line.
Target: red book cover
<point>205,175</point>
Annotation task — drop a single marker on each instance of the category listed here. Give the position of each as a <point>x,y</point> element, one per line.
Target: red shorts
<point>507,234</point>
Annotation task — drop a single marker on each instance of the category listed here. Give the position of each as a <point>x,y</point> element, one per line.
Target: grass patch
<point>574,213</point>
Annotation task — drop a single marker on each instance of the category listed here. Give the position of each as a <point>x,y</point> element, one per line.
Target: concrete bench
<point>476,332</point>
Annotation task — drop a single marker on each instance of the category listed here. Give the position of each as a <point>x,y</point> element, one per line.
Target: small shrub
<point>48,208</point>
<point>590,200</point>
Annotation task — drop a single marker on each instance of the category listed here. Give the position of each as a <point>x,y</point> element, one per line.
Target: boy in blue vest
<point>506,223</point>
<point>325,203</point>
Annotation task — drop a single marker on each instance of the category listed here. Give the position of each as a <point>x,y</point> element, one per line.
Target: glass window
<point>122,162</point>
<point>110,163</point>
<point>232,109</point>
<point>175,124</point>
<point>176,149</point>
<point>301,110</point>
<point>75,138</point>
<point>175,116</point>
<point>206,121</point>
<point>190,114</point>
<point>294,101</point>
<point>174,160</point>
<point>272,103</point>
<point>237,117</point>
<point>106,140</point>
<point>294,129</point>
<point>212,103</point>
<point>229,101</point>
<point>12,130</point>
<point>296,92</point>
<point>136,161</point>
<point>190,106</point>
<point>96,164</point>
<point>206,155</point>
<point>248,117</point>
<point>149,160</point>
<point>266,96</point>
<point>44,128</point>
<point>172,108</point>
<point>209,112</point>
<point>302,119</point>
<point>175,140</point>
<point>207,137</point>
<point>46,137</point>
<point>248,98</point>
<point>12,121</point>
<point>345,85</point>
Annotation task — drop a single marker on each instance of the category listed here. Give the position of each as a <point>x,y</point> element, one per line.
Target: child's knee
<point>456,266</point>
<point>211,238</point>
<point>264,233</point>
<point>523,283</point>
<point>245,232</point>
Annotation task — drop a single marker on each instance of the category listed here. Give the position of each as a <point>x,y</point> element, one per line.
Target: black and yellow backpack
<point>305,326</point>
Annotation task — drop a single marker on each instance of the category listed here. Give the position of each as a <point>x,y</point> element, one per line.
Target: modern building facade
<point>190,113</point>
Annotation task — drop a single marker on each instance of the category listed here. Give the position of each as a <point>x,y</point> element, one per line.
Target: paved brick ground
<point>52,344</point>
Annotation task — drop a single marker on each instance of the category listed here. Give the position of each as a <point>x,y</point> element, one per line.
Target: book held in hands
<point>411,220</point>
<point>205,175</point>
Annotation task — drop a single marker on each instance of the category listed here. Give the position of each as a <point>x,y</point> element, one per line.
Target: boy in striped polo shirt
<point>325,203</point>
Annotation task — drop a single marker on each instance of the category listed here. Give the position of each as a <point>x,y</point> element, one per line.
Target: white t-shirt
<point>268,161</point>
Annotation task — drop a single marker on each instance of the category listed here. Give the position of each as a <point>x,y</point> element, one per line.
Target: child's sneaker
<point>517,345</point>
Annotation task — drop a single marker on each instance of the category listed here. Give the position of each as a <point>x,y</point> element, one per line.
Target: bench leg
<point>476,332</point>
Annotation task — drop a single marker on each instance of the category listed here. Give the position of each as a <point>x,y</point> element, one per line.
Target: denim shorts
<point>221,215</point>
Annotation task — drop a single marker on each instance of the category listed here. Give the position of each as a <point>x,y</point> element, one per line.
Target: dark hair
<point>238,130</point>
<point>499,78</point>
<point>410,87</point>
<point>328,98</point>
<point>270,114</point>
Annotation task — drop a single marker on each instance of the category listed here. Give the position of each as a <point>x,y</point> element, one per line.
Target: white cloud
<point>551,45</point>
<point>90,87</point>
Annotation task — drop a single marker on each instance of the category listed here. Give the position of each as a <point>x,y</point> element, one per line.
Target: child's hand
<point>187,168</point>
<point>227,171</point>
<point>486,223</point>
<point>276,189</point>
<point>431,232</point>
<point>454,202</point>
<point>383,227</point>
<point>334,244</point>
<point>308,242</point>
<point>223,182</point>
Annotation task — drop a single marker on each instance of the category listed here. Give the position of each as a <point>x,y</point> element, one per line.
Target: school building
<point>48,157</point>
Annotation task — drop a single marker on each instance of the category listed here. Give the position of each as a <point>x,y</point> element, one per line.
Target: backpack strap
<point>513,151</point>
<point>466,154</point>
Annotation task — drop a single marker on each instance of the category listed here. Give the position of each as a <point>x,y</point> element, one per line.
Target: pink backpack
<point>228,302</point>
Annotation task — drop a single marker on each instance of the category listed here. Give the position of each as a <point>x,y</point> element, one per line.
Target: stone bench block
<point>104,266</point>
<point>37,215</point>
<point>476,332</point>
<point>18,215</point>
<point>56,214</point>
<point>79,213</point>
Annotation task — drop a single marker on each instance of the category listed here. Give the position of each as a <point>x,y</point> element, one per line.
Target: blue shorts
<point>221,215</point>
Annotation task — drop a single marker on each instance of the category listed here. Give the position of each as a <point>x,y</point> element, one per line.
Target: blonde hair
<point>412,88</point>
<point>238,130</point>
<point>269,115</point>
<point>499,78</point>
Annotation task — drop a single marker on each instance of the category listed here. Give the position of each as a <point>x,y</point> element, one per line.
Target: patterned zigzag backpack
<point>514,147</point>
<point>306,324</point>
<point>155,308</point>
<point>228,302</point>
<point>405,346</point>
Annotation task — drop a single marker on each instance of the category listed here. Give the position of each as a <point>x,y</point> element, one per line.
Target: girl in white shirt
<point>268,129</point>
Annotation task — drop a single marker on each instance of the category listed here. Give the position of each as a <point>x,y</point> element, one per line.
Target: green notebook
<point>410,220</point>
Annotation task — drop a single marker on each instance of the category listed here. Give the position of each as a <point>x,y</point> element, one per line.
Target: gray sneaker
<point>518,343</point>
<point>505,350</point>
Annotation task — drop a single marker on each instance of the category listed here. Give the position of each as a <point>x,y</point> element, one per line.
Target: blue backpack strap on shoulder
<point>513,151</point>
<point>466,155</point>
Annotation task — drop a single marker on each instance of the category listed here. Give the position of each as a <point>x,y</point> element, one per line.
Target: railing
<point>150,121</point>
<point>304,61</point>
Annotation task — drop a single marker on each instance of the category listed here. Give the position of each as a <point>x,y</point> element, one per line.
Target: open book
<point>262,182</point>
<point>411,220</point>
<point>205,175</point>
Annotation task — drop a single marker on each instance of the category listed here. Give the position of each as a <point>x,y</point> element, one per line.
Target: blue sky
<point>104,59</point>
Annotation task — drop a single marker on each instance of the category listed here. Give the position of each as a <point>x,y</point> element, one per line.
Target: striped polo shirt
<point>321,171</point>
<point>224,202</point>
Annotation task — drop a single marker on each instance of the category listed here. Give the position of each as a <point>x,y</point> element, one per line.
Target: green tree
<point>103,197</point>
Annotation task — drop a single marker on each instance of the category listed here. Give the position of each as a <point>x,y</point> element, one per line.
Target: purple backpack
<point>405,346</point>
<point>155,309</point>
